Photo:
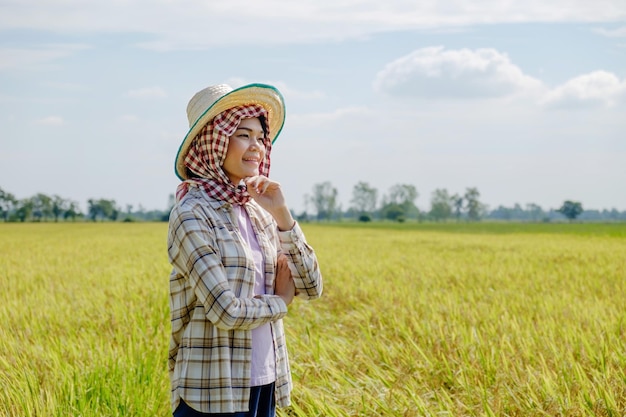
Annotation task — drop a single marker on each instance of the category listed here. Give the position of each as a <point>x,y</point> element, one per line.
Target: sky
<point>525,101</point>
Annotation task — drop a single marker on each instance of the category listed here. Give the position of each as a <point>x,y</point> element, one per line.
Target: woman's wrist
<point>286,299</point>
<point>284,219</point>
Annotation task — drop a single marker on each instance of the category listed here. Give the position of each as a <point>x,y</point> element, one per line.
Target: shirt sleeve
<point>193,252</point>
<point>303,263</point>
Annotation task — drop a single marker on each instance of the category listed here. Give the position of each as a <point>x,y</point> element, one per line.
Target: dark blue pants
<point>262,404</point>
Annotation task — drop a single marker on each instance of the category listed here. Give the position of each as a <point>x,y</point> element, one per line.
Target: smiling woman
<point>238,259</point>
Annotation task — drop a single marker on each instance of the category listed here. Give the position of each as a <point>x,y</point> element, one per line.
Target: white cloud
<point>438,73</point>
<point>613,33</point>
<point>597,88</point>
<point>34,57</point>
<point>51,121</point>
<point>200,23</point>
<point>149,92</point>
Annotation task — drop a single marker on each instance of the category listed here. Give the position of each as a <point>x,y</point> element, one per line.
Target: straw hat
<point>208,103</point>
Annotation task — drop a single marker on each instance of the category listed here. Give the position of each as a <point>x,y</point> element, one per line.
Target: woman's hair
<point>263,121</point>
<point>191,174</point>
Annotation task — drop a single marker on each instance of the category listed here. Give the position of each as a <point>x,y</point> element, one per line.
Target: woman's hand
<point>270,196</point>
<point>284,285</point>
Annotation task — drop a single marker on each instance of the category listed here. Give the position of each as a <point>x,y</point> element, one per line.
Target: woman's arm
<point>303,264</point>
<point>193,253</point>
<point>302,260</point>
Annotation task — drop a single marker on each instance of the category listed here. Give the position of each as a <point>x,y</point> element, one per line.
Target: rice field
<point>416,320</point>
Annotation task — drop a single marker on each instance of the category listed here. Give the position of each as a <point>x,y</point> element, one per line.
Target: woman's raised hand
<point>269,195</point>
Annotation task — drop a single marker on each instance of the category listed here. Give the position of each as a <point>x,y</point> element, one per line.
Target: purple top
<point>263,359</point>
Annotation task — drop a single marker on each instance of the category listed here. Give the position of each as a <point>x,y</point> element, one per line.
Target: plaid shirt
<point>212,305</point>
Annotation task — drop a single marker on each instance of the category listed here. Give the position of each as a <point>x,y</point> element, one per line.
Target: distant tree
<point>42,207</point>
<point>93,209</point>
<point>8,203</point>
<point>518,212</point>
<point>403,194</point>
<point>71,211</point>
<point>440,205</point>
<point>613,214</point>
<point>399,203</point>
<point>501,213</point>
<point>475,209</point>
<point>535,212</point>
<point>59,206</point>
<point>571,209</point>
<point>109,209</point>
<point>532,212</point>
<point>4,209</point>
<point>102,209</point>
<point>364,199</point>
<point>324,200</point>
<point>24,209</point>
<point>457,204</point>
<point>393,211</point>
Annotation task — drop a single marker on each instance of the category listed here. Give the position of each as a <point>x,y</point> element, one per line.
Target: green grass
<point>416,319</point>
<point>582,229</point>
<point>84,314</point>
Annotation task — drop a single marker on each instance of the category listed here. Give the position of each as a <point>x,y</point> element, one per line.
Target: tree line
<point>46,208</point>
<point>321,204</point>
<point>398,204</point>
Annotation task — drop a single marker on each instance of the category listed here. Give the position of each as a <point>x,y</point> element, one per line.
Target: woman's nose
<point>254,143</point>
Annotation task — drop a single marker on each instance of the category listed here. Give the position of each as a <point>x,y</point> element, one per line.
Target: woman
<point>238,259</point>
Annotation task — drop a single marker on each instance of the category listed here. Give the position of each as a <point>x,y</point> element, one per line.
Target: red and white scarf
<point>208,151</point>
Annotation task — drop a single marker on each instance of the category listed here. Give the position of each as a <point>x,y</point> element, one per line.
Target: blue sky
<point>526,102</point>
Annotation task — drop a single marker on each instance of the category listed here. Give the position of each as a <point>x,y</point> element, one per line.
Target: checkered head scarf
<point>208,151</point>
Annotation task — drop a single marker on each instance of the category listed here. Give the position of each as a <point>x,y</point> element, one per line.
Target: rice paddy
<point>416,320</point>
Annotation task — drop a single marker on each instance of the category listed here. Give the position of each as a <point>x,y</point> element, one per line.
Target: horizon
<point>341,209</point>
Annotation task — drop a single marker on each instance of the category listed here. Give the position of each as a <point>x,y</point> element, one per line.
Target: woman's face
<point>246,150</point>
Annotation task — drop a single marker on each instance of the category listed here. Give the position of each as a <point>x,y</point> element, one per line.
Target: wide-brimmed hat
<point>211,101</point>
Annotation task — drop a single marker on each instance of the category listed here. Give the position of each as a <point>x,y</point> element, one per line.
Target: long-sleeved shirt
<point>212,303</point>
